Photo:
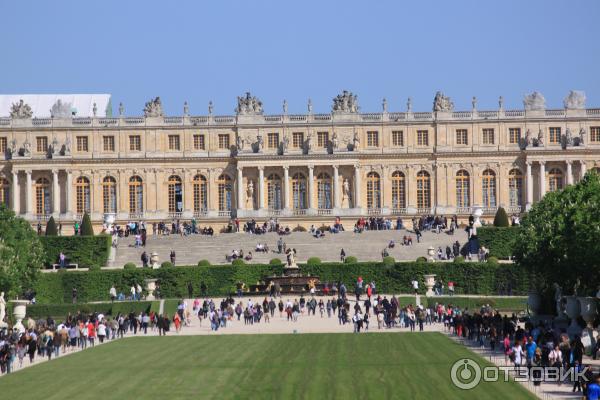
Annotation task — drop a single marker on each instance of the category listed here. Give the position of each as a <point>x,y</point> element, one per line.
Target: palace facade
<point>300,168</point>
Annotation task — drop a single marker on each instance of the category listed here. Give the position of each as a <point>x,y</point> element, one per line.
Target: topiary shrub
<point>204,263</point>
<point>501,219</point>
<point>51,229</point>
<point>299,229</point>
<point>313,261</point>
<point>421,259</point>
<point>166,264</point>
<point>324,228</point>
<point>350,260</point>
<point>238,262</point>
<point>94,268</point>
<point>389,260</point>
<point>275,261</point>
<point>492,260</point>
<point>459,259</point>
<point>129,266</point>
<point>86,226</point>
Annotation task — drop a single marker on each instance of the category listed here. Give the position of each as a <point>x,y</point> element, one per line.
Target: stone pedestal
<point>150,287</point>
<point>573,311</point>
<point>589,312</point>
<point>19,312</point>
<point>431,253</point>
<point>534,303</point>
<point>429,283</point>
<point>154,260</point>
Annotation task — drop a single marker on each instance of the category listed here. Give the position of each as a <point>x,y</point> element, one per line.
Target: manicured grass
<point>304,366</point>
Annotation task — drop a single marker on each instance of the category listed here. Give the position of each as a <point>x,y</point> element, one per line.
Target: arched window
<point>82,192</point>
<point>373,190</point>
<point>224,187</point>
<point>42,197</point>
<point>299,191</point>
<point>324,191</point>
<point>423,190</point>
<point>274,192</point>
<point>4,191</point>
<point>109,194</point>
<point>200,193</point>
<point>136,194</point>
<point>515,188</point>
<point>175,194</point>
<point>555,180</point>
<point>398,190</point>
<point>489,188</point>
<point>463,189</point>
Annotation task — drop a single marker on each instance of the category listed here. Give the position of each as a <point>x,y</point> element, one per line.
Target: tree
<point>86,226</point>
<point>559,236</point>
<point>501,219</point>
<point>51,229</point>
<point>21,254</point>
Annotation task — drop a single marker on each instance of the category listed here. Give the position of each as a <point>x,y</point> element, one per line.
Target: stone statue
<point>61,110</point>
<point>55,147</point>
<point>13,150</point>
<point>409,105</point>
<point>20,110</point>
<point>291,257</point>
<point>94,109</point>
<point>442,102</point>
<point>528,139</point>
<point>582,136</point>
<point>186,109</point>
<point>384,105</point>
<point>576,287</point>
<point>310,106</point>
<point>355,142</point>
<point>26,149</point>
<point>153,108</point>
<point>474,103</point>
<point>568,137</point>
<point>534,102</point>
<point>2,308</point>
<point>346,102</point>
<point>501,103</point>
<point>558,298</point>
<point>575,100</point>
<point>250,193</point>
<point>334,141</point>
<point>67,146</point>
<point>346,189</point>
<point>210,107</point>
<point>248,105</point>
<point>540,138</point>
<point>285,142</point>
<point>259,143</point>
<point>309,142</point>
<point>121,110</point>
<point>239,143</point>
<point>285,107</point>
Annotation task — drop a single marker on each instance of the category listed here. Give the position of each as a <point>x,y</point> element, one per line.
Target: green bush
<point>324,228</point>
<point>475,303</point>
<point>492,260</point>
<point>299,228</point>
<point>350,260</point>
<point>204,263</point>
<point>51,229</point>
<point>60,311</point>
<point>313,261</point>
<point>501,219</point>
<point>238,262</point>
<point>459,259</point>
<point>130,266</point>
<point>389,260</point>
<point>87,251</point>
<point>275,261</point>
<point>167,264</point>
<point>501,242</point>
<point>421,259</point>
<point>86,226</point>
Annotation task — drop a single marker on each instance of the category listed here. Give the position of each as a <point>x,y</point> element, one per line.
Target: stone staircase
<point>366,246</point>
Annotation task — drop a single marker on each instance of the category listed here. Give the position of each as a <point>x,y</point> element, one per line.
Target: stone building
<point>302,169</point>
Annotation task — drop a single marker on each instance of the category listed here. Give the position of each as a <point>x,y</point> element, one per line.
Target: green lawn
<point>303,366</point>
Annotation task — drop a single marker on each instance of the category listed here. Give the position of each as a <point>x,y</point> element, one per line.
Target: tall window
<point>555,180</point>
<point>422,138</point>
<point>273,140</point>
<point>175,192</point>
<point>373,139</point>
<point>515,188</point>
<point>463,189</point>
<point>4,191</point>
<point>324,191</point>
<point>174,143</point>
<point>109,194</point>
<point>423,190</point>
<point>82,191</point>
<point>554,133</point>
<point>135,143</point>
<point>299,191</point>
<point>322,139</point>
<point>274,192</point>
<point>82,143</point>
<point>224,187</point>
<point>224,141</point>
<point>108,143</point>
<point>199,142</point>
<point>136,194</point>
<point>3,145</point>
<point>398,190</point>
<point>373,190</point>
<point>41,144</point>
<point>398,138</point>
<point>461,137</point>
<point>488,135</point>
<point>200,193</point>
<point>489,188</point>
<point>42,197</point>
<point>297,140</point>
<point>595,134</point>
<point>514,135</point>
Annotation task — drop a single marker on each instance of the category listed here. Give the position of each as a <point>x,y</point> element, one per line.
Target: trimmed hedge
<point>499,303</point>
<point>350,260</point>
<point>36,311</point>
<point>51,229</point>
<point>87,251</point>
<point>469,278</point>
<point>500,241</point>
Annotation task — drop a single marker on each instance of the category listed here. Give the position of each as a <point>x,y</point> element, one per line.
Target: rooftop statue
<point>249,105</point>
<point>153,108</point>
<point>61,110</point>
<point>345,103</point>
<point>442,103</point>
<point>575,100</point>
<point>20,110</point>
<point>534,101</point>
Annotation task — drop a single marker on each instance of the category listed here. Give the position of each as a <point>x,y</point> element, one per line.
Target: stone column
<point>69,209</point>
<point>286,187</point>
<point>583,169</point>
<point>529,183</point>
<point>28,189</point>
<point>357,202</point>
<point>240,188</point>
<point>542,179</point>
<point>311,187</point>
<point>336,187</point>
<point>55,193</point>
<point>569,172</point>
<point>15,192</point>
<point>261,188</point>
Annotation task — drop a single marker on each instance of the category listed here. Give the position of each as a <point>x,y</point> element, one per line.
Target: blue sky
<point>200,51</point>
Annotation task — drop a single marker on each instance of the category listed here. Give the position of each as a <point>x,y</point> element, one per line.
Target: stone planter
<point>477,213</point>
<point>431,253</point>
<point>150,287</point>
<point>573,312</point>
<point>534,303</point>
<point>19,312</point>
<point>154,260</point>
<point>429,283</point>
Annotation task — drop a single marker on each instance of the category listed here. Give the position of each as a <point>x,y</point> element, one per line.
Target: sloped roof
<point>81,104</point>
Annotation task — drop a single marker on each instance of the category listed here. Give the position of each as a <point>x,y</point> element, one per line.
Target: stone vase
<point>573,312</point>
<point>150,287</point>
<point>19,312</point>
<point>429,283</point>
<point>431,253</point>
<point>477,213</point>
<point>154,260</point>
<point>534,303</point>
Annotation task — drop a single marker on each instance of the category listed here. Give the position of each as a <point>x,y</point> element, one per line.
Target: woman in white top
<point>101,331</point>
